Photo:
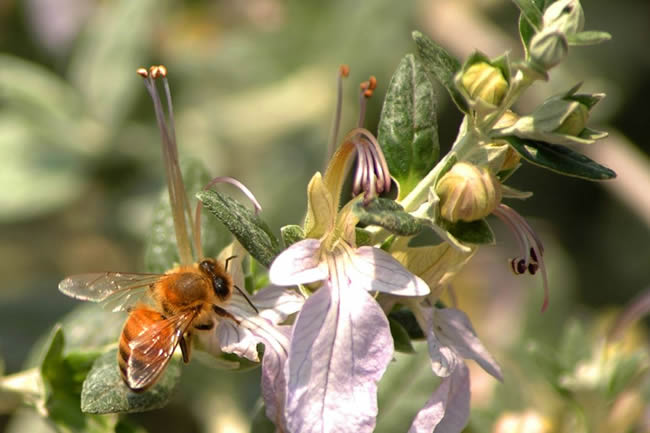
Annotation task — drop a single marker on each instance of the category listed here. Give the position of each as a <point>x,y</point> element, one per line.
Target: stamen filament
<point>344,71</point>
<point>175,186</point>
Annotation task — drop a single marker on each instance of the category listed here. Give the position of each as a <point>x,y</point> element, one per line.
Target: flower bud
<point>485,82</point>
<point>512,157</point>
<point>548,48</point>
<point>468,193</point>
<point>565,16</point>
<point>575,122</point>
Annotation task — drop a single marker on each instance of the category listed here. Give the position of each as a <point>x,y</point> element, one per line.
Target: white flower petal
<point>373,269</point>
<point>299,264</point>
<point>444,359</point>
<point>277,303</point>
<point>454,329</point>
<point>340,348</point>
<point>447,411</point>
<point>237,340</point>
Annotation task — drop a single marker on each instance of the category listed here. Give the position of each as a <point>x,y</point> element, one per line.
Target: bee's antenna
<point>228,261</point>
<point>247,298</point>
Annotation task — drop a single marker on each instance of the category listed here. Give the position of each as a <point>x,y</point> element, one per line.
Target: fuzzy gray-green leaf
<point>388,214</point>
<point>291,234</point>
<point>560,159</point>
<point>441,65</point>
<point>408,127</point>
<point>248,228</point>
<point>104,390</point>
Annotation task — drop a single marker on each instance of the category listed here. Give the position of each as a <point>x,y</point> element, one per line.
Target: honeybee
<point>182,300</point>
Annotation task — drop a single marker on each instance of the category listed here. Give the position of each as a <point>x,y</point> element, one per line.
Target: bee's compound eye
<point>220,287</point>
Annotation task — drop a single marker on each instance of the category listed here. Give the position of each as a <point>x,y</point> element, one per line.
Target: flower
<point>341,343</point>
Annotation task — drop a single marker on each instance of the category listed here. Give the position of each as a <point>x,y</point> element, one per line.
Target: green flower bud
<point>468,193</point>
<point>575,122</point>
<point>565,16</point>
<point>485,82</point>
<point>548,48</point>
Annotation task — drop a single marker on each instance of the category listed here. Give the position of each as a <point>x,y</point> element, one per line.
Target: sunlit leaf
<point>248,228</point>
<point>441,65</point>
<point>388,214</point>
<point>408,127</point>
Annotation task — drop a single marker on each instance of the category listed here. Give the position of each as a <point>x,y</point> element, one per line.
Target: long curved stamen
<point>533,250</point>
<point>372,175</point>
<point>177,198</point>
<point>343,72</point>
<point>199,205</point>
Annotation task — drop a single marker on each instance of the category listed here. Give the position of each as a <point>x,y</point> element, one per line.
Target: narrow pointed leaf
<point>560,159</point>
<point>588,38</point>
<point>531,11</point>
<point>388,214</point>
<point>248,228</point>
<point>105,392</point>
<point>527,29</point>
<point>440,65</point>
<point>408,127</point>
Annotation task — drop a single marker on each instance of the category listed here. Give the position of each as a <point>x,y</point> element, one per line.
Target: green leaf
<point>104,390</point>
<point>527,29</point>
<point>476,232</point>
<point>401,338</point>
<point>248,228</point>
<point>403,391</point>
<point>161,251</point>
<point>291,234</point>
<point>560,159</point>
<point>441,65</point>
<point>408,128</point>
<point>588,38</point>
<point>388,214</point>
<point>531,11</point>
<point>62,377</point>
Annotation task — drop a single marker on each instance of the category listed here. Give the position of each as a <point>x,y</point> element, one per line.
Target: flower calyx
<point>484,83</point>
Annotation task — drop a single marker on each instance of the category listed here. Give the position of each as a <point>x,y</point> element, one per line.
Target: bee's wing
<point>119,288</point>
<point>154,347</point>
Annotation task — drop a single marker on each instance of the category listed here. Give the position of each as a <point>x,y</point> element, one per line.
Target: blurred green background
<point>254,89</point>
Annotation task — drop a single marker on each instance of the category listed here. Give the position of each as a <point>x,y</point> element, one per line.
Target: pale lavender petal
<point>238,340</point>
<point>277,303</point>
<point>299,264</point>
<point>453,329</point>
<point>444,359</point>
<point>373,269</point>
<point>274,382</point>
<point>447,411</point>
<point>340,348</point>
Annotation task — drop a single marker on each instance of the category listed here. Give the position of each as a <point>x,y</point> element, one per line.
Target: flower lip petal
<point>381,272</point>
<point>299,264</point>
